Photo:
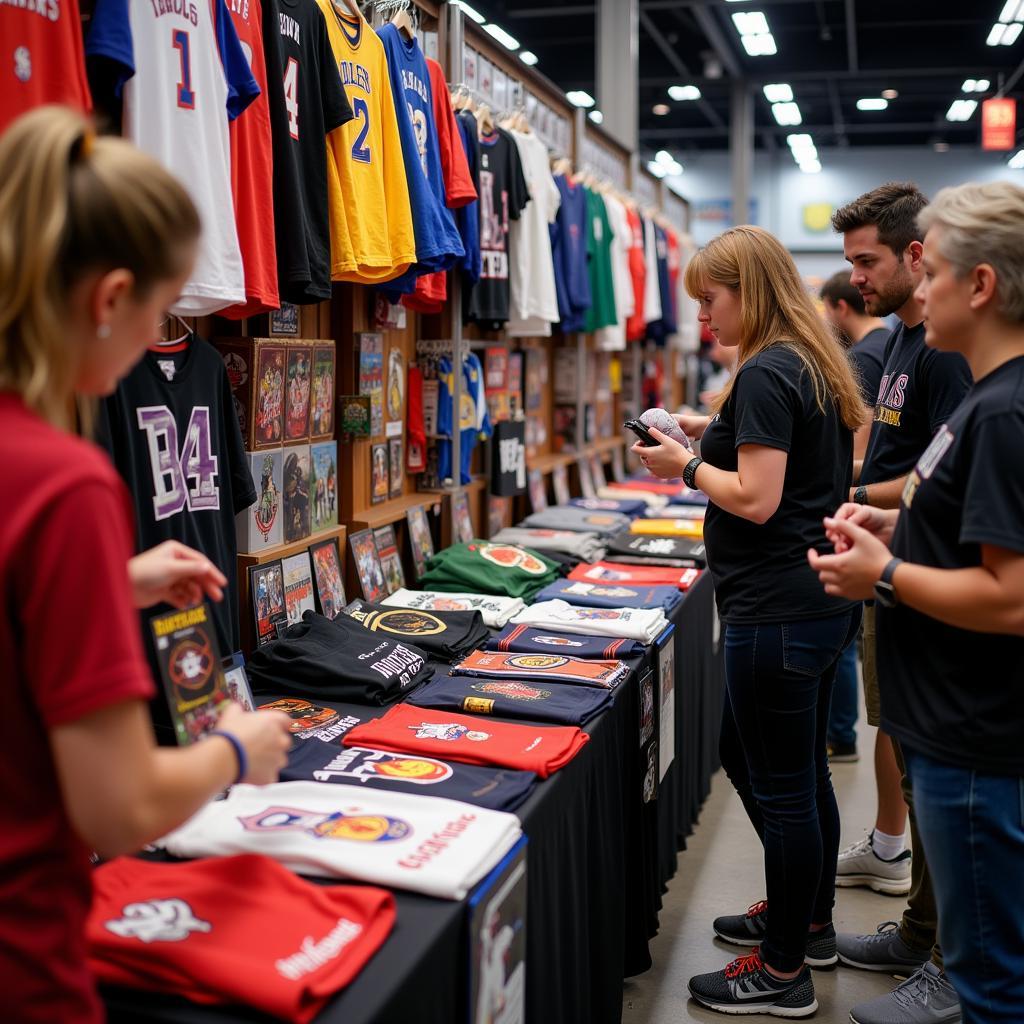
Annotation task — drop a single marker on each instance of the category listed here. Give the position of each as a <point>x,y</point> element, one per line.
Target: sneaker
<point>744,986</point>
<point>749,930</point>
<point>860,865</point>
<point>883,951</point>
<point>926,997</point>
<point>842,753</point>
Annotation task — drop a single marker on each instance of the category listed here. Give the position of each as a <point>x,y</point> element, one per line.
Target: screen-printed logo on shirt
<point>361,828</point>
<point>448,731</point>
<point>557,641</point>
<point>933,455</point>
<point>539,661</point>
<point>363,764</point>
<point>509,557</point>
<point>408,623</point>
<point>514,691</point>
<point>305,717</point>
<point>166,920</point>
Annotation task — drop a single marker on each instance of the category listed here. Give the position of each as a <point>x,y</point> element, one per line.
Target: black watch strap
<point>889,570</point>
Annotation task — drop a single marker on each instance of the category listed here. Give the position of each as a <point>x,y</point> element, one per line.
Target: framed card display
<point>560,483</point>
<point>256,375</point>
<point>462,524</point>
<point>321,409</point>
<point>390,561</point>
<point>328,582</point>
<point>298,586</point>
<point>266,590</point>
<point>285,321</point>
<point>396,384</point>
<point>323,485</point>
<point>259,526</point>
<point>597,471</point>
<point>236,682</point>
<point>379,477</point>
<point>296,396</point>
<point>538,491</point>
<point>497,513</point>
<point>371,576</point>
<point>396,475</point>
<point>355,415</point>
<point>295,475</point>
<point>515,382</point>
<point>420,540</point>
<point>371,376</point>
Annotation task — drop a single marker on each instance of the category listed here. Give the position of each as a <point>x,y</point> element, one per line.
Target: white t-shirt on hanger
<point>613,337</point>
<point>652,287</point>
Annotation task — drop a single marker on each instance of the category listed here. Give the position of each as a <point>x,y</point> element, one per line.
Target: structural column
<point>741,150</point>
<point>618,68</point>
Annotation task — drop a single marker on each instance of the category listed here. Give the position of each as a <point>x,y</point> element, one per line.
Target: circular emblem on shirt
<point>512,690</point>
<point>304,716</point>
<point>413,769</point>
<point>362,828</point>
<point>409,623</point>
<point>512,558</point>
<point>537,661</point>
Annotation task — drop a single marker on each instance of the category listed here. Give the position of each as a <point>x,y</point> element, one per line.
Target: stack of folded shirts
<point>580,546</point>
<point>339,660</point>
<point>540,749</point>
<point>674,511</point>
<point>436,847</point>
<point>688,497</point>
<point>495,611</point>
<point>671,551</point>
<point>618,492</point>
<point>555,668</point>
<point>499,789</point>
<point>514,698</point>
<point>669,527</point>
<point>443,635</point>
<point>624,506</point>
<point>640,624</point>
<point>610,572</point>
<point>527,640</point>
<point>580,520</point>
<point>235,930</point>
<point>481,567</point>
<point>612,595</point>
<point>669,488</point>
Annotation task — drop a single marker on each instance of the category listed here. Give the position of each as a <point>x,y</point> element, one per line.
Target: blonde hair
<point>71,203</point>
<point>984,224</point>
<point>776,309</point>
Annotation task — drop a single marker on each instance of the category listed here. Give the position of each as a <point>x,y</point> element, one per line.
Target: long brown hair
<point>776,309</point>
<point>71,203</point>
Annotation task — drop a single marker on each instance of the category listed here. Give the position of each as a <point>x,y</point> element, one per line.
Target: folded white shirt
<point>643,624</point>
<point>496,611</point>
<point>433,846</point>
<point>625,493</point>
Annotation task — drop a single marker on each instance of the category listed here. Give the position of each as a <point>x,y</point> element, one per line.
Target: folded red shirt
<point>654,575</point>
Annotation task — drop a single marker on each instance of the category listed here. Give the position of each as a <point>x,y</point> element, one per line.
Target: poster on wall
<point>371,376</point>
<point>297,571</point>
<point>380,478</point>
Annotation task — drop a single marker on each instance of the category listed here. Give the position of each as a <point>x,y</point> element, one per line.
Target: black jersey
<point>444,635</point>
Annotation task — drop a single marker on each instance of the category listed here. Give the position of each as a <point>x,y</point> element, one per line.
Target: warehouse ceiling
<point>831,52</point>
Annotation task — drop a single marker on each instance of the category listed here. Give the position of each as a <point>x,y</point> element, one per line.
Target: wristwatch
<point>885,592</point>
<point>860,496</point>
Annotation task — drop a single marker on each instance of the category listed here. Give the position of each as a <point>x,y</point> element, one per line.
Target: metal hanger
<point>174,318</point>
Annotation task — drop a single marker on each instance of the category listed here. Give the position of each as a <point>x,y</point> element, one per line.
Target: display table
<point>598,858</point>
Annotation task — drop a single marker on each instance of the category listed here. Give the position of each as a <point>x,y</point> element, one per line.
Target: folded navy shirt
<point>522,639</point>
<point>624,506</point>
<point>611,595</point>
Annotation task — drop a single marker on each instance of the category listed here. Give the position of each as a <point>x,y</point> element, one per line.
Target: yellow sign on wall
<point>818,217</point>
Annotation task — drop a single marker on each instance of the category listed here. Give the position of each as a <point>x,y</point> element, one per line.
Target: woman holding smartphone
<point>776,454</point>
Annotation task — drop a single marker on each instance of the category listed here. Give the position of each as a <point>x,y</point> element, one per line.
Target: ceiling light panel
<point>872,103</point>
<point>780,92</point>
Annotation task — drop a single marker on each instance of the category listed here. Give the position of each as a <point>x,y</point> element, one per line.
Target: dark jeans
<point>842,719</point>
<point>972,827</point>
<point>779,681</point>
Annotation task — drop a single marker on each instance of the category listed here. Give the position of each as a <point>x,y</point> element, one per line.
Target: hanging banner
<point>998,124</point>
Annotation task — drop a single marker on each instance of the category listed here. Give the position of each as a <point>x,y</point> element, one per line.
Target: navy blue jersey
<point>528,640</point>
<point>623,506</point>
<point>498,789</point>
<point>611,595</point>
<point>539,701</point>
<point>569,253</point>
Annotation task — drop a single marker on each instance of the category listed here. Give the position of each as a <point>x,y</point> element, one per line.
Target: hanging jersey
<point>468,217</point>
<point>556,667</point>
<point>372,236</point>
<point>184,76</point>
<point>252,174</point>
<point>613,337</point>
<point>459,188</point>
<point>41,58</point>
<point>652,287</point>
<point>612,594</point>
<point>599,265</point>
<point>496,611</point>
<point>527,640</point>
<point>474,419</point>
<point>637,322</point>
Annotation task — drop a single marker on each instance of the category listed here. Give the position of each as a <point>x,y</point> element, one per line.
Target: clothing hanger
<point>404,23</point>
<point>353,8</point>
<point>484,120</point>
<point>167,342</point>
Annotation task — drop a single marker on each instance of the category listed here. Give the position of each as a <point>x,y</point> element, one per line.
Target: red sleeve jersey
<point>458,182</point>
<point>70,645</point>
<point>636,324</point>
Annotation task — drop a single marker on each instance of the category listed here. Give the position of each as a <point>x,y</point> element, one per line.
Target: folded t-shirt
<point>578,520</point>
<point>612,595</point>
<point>552,667</point>
<point>634,623</point>
<point>688,497</point>
<point>669,488</point>
<point>494,610</point>
<point>481,567</point>
<point>669,527</point>
<point>661,550</point>
<point>610,572</point>
<point>618,492</point>
<point>695,513</point>
<point>624,506</point>
<point>526,640</point>
<point>443,635</point>
<point>568,542</point>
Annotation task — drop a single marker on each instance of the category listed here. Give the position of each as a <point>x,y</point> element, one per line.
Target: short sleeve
<point>75,587</point>
<point>947,380</point>
<point>242,87</point>
<point>110,38</point>
<point>765,408</point>
<point>993,509</point>
<point>337,109</point>
<point>518,190</point>
<point>869,372</point>
<point>458,183</point>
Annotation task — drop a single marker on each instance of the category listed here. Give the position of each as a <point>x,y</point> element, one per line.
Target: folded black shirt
<point>444,635</point>
<point>654,549</point>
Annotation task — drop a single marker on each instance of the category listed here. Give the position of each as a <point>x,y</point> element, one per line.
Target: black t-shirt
<point>172,432</point>
<point>761,571</point>
<point>444,635</point>
<point>503,195</point>
<point>919,389</point>
<point>306,104</point>
<point>868,357</point>
<point>954,694</point>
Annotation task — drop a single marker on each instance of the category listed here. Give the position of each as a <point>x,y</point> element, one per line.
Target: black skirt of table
<point>598,859</point>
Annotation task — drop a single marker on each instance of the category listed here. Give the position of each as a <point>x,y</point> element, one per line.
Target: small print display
<point>420,540</point>
<point>297,388</point>
<point>371,576</point>
<point>236,682</point>
<point>190,666</point>
<point>515,383</point>
<point>259,526</point>
<point>323,485</point>
<point>285,321</point>
<point>497,513</point>
<point>321,410</point>
<point>395,463</point>
<point>327,579</point>
<point>538,491</point>
<point>390,561</point>
<point>296,493</point>
<point>355,415</point>
<point>298,586</point>
<point>496,383</point>
<point>379,476</point>
<point>462,524</point>
<point>560,483</point>
<point>266,590</point>
<point>396,384</point>
<point>371,377</point>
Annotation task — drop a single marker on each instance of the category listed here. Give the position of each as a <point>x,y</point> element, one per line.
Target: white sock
<point>886,846</point>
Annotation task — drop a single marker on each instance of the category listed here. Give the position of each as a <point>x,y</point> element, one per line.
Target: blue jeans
<point>972,827</point>
<point>842,719</point>
<point>779,682</point>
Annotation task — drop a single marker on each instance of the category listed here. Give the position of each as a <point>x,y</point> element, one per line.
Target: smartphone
<point>641,431</point>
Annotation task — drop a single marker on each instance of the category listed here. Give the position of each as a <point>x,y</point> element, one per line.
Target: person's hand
<point>176,574</point>
<point>692,424</point>
<point>265,737</point>
<point>879,522</point>
<point>853,572</point>
<point>667,459</point>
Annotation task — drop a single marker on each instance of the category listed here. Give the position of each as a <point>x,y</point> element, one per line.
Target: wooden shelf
<point>605,444</point>
<point>394,510</point>
<point>547,463</point>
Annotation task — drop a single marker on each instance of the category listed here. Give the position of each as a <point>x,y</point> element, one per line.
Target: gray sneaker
<point>883,951</point>
<point>859,865</point>
<point>926,997</point>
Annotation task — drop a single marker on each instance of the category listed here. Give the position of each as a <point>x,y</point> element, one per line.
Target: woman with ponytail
<point>777,455</point>
<point>96,240</point>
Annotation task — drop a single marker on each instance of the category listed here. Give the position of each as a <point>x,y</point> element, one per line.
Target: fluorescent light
<point>656,169</point>
<point>684,92</point>
<point>751,23</point>
<point>961,110</point>
<point>596,116</point>
<point>889,94</point>
<point>982,85</point>
<point>667,162</point>
<point>786,113</point>
<point>812,166</point>
<point>995,36</point>
<point>471,12</point>
<point>781,92</point>
<point>759,46</point>
<point>660,109</point>
<point>528,57</point>
<point>1011,11</point>
<point>497,32</point>
<point>870,103</point>
<point>1017,160</point>
<point>1011,33</point>
<point>802,147</point>
<point>579,98</point>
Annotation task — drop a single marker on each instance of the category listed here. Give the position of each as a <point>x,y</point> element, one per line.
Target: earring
<point>103,331</point>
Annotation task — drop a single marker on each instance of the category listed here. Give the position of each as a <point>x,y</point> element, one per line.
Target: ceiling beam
<point>851,34</point>
<point>837,112</point>
<point>867,74</point>
<point>821,129</point>
<point>714,35</point>
<point>566,10</point>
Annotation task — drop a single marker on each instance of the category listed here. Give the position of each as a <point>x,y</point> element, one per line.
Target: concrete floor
<point>721,872</point>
